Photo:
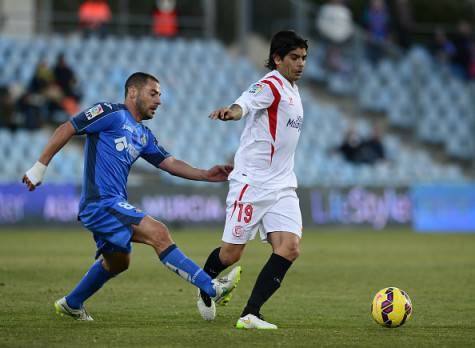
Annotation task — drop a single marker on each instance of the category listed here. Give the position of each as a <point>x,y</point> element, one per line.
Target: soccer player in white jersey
<point>262,185</point>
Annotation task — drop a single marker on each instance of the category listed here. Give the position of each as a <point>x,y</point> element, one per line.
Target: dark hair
<point>138,79</point>
<point>282,43</point>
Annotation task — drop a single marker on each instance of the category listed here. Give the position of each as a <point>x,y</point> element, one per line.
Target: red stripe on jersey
<point>272,111</point>
<point>242,191</point>
<point>240,198</point>
<point>278,80</point>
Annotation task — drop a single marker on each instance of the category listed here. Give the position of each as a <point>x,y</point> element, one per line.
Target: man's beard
<point>142,110</point>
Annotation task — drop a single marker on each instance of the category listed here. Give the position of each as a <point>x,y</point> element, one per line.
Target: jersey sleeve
<point>259,96</point>
<point>154,153</point>
<point>98,118</point>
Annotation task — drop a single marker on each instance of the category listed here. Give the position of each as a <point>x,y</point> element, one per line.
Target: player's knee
<point>161,237</point>
<point>289,251</point>
<point>229,259</point>
<point>230,255</point>
<point>116,266</point>
<point>293,252</point>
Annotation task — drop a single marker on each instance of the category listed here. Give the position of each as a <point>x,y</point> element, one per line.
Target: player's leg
<point>218,260</point>
<point>285,245</point>
<point>101,271</point>
<point>157,235</point>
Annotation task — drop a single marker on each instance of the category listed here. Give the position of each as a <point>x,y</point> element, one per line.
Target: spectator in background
<point>7,107</point>
<point>350,146</point>
<point>402,21</point>
<point>471,68</point>
<point>444,49</point>
<point>42,98</point>
<point>376,20</point>
<point>66,81</point>
<point>165,21</point>
<point>462,57</point>
<point>371,150</point>
<point>94,16</point>
<point>335,24</point>
<point>358,150</point>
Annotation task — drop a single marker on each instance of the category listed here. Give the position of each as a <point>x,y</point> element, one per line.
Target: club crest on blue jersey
<point>143,139</point>
<point>256,88</point>
<point>94,111</point>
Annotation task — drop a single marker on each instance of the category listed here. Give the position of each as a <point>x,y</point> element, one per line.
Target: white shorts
<point>250,208</point>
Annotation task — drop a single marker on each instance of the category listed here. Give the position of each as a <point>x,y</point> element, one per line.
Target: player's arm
<point>232,113</point>
<point>258,96</point>
<point>60,137</point>
<point>182,169</point>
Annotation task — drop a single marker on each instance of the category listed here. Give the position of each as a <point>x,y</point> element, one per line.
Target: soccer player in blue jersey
<point>116,137</point>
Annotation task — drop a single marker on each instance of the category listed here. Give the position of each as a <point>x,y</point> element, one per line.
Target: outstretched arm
<point>234,112</point>
<point>60,137</point>
<point>182,169</point>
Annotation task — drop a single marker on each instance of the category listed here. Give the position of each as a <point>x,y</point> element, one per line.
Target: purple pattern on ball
<point>390,296</point>
<point>388,309</point>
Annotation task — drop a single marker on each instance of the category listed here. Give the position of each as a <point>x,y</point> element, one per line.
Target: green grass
<point>324,301</point>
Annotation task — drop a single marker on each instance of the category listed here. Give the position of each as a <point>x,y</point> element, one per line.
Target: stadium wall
<point>426,208</point>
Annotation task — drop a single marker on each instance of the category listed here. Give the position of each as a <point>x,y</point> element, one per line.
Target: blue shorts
<point>111,223</point>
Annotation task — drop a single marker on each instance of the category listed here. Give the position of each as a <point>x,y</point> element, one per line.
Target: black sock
<point>213,266</point>
<point>267,283</point>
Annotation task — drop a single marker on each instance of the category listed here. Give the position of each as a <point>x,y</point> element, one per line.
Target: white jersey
<point>274,113</point>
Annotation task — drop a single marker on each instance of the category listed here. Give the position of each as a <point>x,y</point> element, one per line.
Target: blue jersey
<point>114,142</point>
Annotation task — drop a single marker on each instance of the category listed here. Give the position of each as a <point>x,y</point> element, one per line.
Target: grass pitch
<point>324,301</point>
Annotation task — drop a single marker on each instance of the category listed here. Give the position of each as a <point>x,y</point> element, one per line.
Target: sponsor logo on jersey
<point>109,105</point>
<point>127,127</point>
<point>297,123</point>
<point>256,88</point>
<point>121,144</point>
<point>94,111</point>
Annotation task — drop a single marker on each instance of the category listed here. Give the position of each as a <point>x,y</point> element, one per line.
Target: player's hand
<point>223,114</point>
<point>29,184</point>
<point>219,173</point>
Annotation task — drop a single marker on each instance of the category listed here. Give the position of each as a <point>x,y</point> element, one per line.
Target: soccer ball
<point>391,307</point>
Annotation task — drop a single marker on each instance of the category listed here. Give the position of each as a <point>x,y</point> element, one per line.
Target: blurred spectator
<point>371,149</point>
<point>357,150</point>
<point>376,20</point>
<point>94,16</point>
<point>471,69</point>
<point>66,81</point>
<point>462,57</point>
<point>444,49</point>
<point>165,22</point>
<point>402,21</point>
<point>335,24</point>
<point>42,98</point>
<point>350,146</point>
<point>7,107</point>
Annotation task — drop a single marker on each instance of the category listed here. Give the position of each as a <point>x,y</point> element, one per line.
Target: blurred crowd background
<point>388,94</point>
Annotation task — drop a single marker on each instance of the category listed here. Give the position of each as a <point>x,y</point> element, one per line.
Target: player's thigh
<point>284,215</point>
<point>152,232</point>
<point>245,207</point>
<point>282,225</point>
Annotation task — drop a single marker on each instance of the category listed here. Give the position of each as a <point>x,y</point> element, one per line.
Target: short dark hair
<point>282,43</point>
<point>138,79</point>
